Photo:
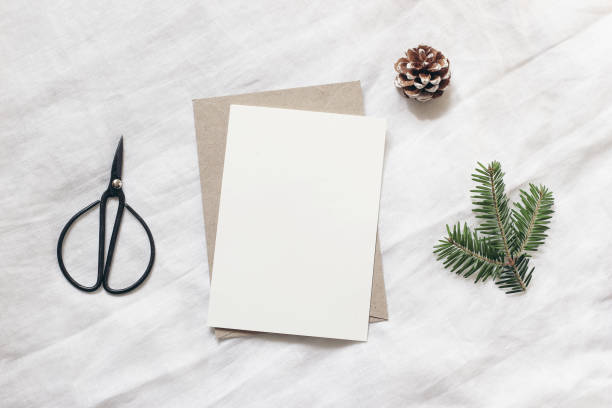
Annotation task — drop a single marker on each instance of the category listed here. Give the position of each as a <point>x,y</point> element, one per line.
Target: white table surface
<point>531,87</point>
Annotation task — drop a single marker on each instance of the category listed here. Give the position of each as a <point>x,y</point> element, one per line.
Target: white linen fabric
<point>531,88</point>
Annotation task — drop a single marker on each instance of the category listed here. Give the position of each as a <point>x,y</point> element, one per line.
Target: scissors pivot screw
<point>117,184</point>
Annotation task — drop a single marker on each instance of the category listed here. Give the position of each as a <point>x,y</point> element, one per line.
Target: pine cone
<point>423,74</point>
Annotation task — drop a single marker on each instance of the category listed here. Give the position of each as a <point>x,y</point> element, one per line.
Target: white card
<point>297,223</point>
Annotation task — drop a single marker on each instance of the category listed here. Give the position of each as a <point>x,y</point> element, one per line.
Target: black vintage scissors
<point>114,190</point>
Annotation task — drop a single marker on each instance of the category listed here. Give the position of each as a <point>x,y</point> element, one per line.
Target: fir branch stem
<point>474,254</point>
<point>497,215</point>
<point>518,277</point>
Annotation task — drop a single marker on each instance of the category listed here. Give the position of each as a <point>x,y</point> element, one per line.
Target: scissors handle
<point>104,265</point>
<point>60,259</point>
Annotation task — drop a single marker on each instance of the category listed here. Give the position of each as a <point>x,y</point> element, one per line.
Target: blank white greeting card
<point>297,223</point>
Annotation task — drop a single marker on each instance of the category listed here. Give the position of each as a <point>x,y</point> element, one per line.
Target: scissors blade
<point>117,161</point>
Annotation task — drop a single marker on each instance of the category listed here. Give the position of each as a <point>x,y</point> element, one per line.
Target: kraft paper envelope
<point>211,117</point>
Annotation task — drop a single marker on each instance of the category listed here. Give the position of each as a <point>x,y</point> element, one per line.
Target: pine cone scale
<point>401,81</point>
<point>400,65</point>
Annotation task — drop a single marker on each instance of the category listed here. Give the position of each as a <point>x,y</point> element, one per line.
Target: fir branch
<point>465,253</point>
<point>491,206</point>
<point>509,235</point>
<point>531,219</point>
